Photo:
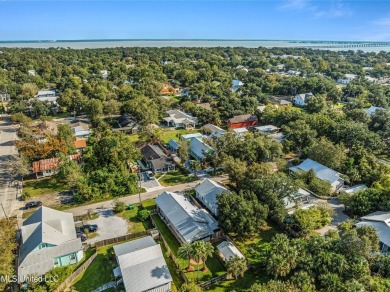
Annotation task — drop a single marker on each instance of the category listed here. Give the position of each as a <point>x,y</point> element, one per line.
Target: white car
<point>150,175</point>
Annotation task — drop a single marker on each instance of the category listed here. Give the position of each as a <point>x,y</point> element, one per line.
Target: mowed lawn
<point>135,225</point>
<point>174,178</point>
<point>97,274</point>
<point>214,266</point>
<point>42,186</point>
<point>168,134</point>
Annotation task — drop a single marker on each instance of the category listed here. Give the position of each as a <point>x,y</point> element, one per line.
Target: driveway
<point>149,184</point>
<point>338,216</point>
<point>109,225</point>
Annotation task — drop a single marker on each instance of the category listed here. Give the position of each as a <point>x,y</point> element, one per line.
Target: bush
<point>143,215</point>
<point>26,195</point>
<point>119,206</point>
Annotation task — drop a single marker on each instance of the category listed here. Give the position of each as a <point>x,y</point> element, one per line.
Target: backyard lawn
<point>215,267</point>
<point>174,178</point>
<point>42,186</point>
<point>135,225</point>
<point>175,134</point>
<point>97,274</point>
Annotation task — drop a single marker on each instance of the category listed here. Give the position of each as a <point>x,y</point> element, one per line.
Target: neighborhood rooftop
<point>189,221</point>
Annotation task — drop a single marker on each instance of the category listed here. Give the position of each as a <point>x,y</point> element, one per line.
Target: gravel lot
<point>109,225</point>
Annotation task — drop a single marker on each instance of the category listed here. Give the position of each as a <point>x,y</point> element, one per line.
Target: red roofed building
<point>48,167</point>
<point>243,121</point>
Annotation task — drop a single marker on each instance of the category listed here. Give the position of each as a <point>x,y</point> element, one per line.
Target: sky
<point>198,19</point>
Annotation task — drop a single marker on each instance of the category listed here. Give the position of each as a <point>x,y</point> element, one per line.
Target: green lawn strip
<point>134,138</point>
<point>149,204</point>
<point>177,279</point>
<point>214,266</point>
<point>135,224</point>
<point>175,177</point>
<point>87,254</point>
<point>91,235</point>
<point>97,274</point>
<point>241,284</point>
<point>42,186</point>
<point>175,134</point>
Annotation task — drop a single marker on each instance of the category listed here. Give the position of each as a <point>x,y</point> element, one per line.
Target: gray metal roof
<point>46,226</point>
<point>143,267</point>
<point>189,221</point>
<point>198,147</point>
<point>379,216</point>
<point>229,250</point>
<point>321,171</point>
<point>208,191</point>
<point>173,144</point>
<point>381,228</point>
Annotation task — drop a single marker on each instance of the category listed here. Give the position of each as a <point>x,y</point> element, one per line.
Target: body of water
<point>94,44</point>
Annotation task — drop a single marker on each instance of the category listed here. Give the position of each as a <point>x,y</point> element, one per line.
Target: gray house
<point>179,119</point>
<point>381,222</point>
<point>322,172</point>
<point>207,192</point>
<point>187,221</point>
<point>142,266</point>
<point>156,160</point>
<point>49,240</point>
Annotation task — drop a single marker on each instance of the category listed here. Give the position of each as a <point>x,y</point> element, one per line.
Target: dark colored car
<point>82,235</point>
<point>90,227</point>
<point>34,204</point>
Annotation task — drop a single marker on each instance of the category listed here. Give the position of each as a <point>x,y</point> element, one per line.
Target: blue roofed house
<point>187,222</point>
<point>322,172</point>
<point>141,266</point>
<point>207,192</point>
<point>199,149</point>
<point>236,84</point>
<point>173,146</point>
<point>49,240</point>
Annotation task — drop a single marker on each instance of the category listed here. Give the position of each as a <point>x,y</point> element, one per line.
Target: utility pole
<point>139,183</point>
<point>4,211</point>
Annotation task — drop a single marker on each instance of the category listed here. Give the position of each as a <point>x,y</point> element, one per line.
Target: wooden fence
<point>76,273</point>
<point>126,237</point>
<point>213,281</point>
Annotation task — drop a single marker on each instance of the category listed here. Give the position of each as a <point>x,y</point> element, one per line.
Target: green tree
<point>237,267</point>
<point>327,153</point>
<point>186,251</point>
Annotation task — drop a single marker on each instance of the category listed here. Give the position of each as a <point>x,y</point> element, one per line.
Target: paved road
<point>135,199</point>
<point>8,191</point>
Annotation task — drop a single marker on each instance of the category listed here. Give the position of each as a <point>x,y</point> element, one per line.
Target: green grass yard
<point>215,267</point>
<point>175,134</point>
<point>97,274</point>
<point>174,178</point>
<point>135,225</point>
<point>42,186</point>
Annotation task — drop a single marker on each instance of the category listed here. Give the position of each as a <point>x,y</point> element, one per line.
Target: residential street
<point>8,191</point>
<point>135,199</point>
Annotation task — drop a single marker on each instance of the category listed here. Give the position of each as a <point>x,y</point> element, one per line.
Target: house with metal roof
<point>187,222</point>
<point>381,222</point>
<point>49,95</point>
<point>211,130</point>
<point>189,137</point>
<point>156,160</point>
<point>141,266</point>
<point>242,121</point>
<point>228,250</point>
<point>207,192</point>
<point>302,199</point>
<point>199,149</point>
<point>322,172</point>
<point>49,240</point>
<point>173,145</point>
<point>301,99</point>
<point>236,84</point>
<point>372,110</point>
<point>347,79</point>
<point>179,119</point>
<point>49,166</point>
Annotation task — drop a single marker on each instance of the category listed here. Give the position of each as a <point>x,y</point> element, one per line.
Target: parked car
<point>150,175</point>
<point>82,235</point>
<point>90,227</point>
<point>33,204</point>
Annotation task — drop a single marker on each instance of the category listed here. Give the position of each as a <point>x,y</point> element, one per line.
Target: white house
<point>301,99</point>
<point>322,172</point>
<point>348,78</point>
<point>228,250</point>
<point>49,95</point>
<point>381,222</point>
<point>32,72</point>
<point>104,74</point>
<point>141,266</point>
<point>207,192</point>
<point>179,119</point>
<point>373,109</point>
<point>49,240</point>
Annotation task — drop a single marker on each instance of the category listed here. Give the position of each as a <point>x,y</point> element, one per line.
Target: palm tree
<point>237,267</point>
<point>199,252</point>
<point>186,251</point>
<point>208,251</point>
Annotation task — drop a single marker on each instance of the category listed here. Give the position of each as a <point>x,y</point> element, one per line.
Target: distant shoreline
<point>367,46</point>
